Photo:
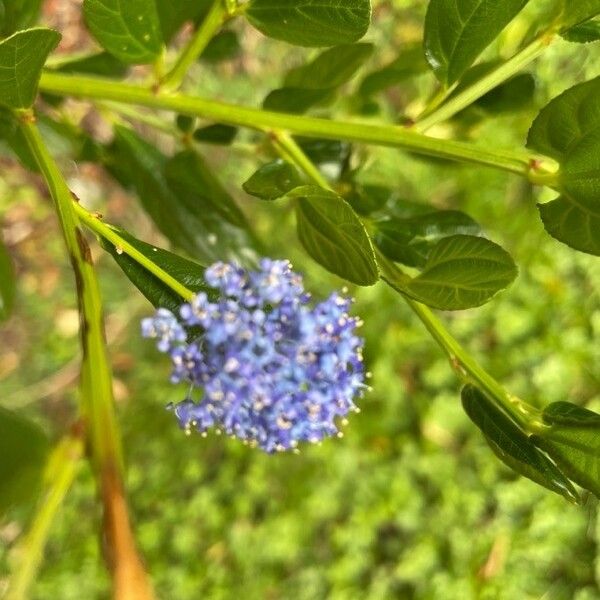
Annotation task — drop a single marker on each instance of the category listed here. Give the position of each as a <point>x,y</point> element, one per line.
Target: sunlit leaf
<point>315,23</point>
<point>457,31</point>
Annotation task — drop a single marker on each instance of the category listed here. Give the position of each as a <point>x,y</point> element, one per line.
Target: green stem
<point>470,94</point>
<point>467,368</point>
<point>286,145</point>
<point>461,361</point>
<point>384,135</point>
<point>213,21</point>
<point>97,402</point>
<point>121,244</point>
<point>60,473</point>
<point>97,398</point>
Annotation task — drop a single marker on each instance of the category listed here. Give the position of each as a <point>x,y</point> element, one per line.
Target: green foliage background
<point>411,503</point>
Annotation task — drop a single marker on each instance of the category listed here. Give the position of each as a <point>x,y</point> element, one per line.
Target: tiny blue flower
<point>272,370</point>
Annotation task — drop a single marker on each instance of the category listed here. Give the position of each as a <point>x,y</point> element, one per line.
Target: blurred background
<point>411,503</point>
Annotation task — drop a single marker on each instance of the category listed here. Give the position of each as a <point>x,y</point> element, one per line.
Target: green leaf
<point>101,63</point>
<point>569,223</point>
<point>514,94</point>
<point>457,31</point>
<point>578,11</point>
<point>186,216</point>
<point>568,129</point>
<point>295,100</point>
<point>572,440</point>
<point>18,14</point>
<point>224,46</point>
<point>22,56</point>
<point>216,134</point>
<point>584,33</point>
<point>23,447</point>
<point>128,30</point>
<point>410,62</point>
<point>273,180</point>
<point>187,172</point>
<point>512,446</point>
<point>411,240</point>
<point>330,69</point>
<point>186,272</point>
<point>314,23</point>
<point>565,121</point>
<point>333,235</point>
<point>7,283</point>
<point>462,271</point>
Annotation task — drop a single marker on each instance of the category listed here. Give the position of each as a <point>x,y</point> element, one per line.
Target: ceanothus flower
<point>272,370</point>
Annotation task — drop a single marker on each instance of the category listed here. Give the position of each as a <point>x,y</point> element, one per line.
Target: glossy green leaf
<point>182,212</point>
<point>188,172</point>
<point>462,271</point>
<point>578,11</point>
<point>172,14</point>
<point>512,446</point>
<point>23,448</point>
<point>187,272</point>
<point>572,440</point>
<point>216,134</point>
<point>128,30</point>
<point>315,23</point>
<point>18,14</point>
<point>7,283</point>
<point>411,240</point>
<point>224,46</point>
<point>583,33</point>
<point>331,68</point>
<point>568,129</point>
<point>295,100</point>
<point>273,180</point>
<point>457,31</point>
<point>22,56</point>
<point>333,235</point>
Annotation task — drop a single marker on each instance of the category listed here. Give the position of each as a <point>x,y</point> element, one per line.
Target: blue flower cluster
<point>273,370</point>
